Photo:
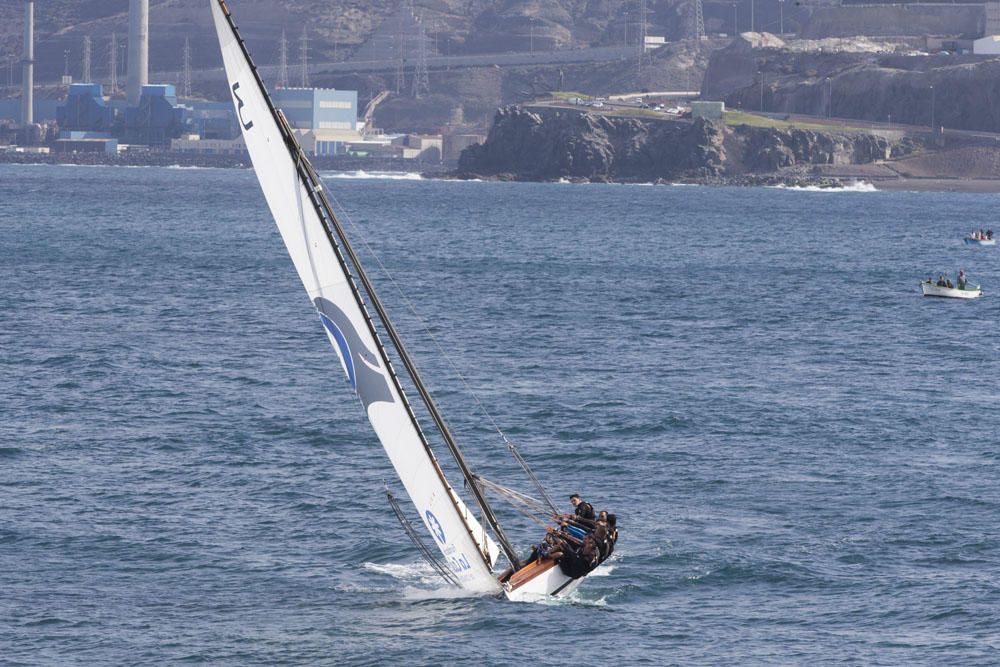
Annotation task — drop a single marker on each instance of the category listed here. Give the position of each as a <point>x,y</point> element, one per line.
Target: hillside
<point>336,29</point>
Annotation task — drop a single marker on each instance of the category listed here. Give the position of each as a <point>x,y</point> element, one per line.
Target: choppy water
<point>802,450</point>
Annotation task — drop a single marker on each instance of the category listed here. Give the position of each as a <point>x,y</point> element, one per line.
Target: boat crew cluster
<point>944,281</point>
<point>581,541</point>
<point>961,288</point>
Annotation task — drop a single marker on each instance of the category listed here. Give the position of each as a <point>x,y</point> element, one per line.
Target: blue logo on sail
<point>364,369</point>
<point>345,351</point>
<point>435,527</point>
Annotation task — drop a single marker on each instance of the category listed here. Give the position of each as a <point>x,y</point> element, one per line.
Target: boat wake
<point>380,175</point>
<point>420,581</point>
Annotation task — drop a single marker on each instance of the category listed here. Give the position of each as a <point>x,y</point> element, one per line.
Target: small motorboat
<point>969,240</point>
<point>969,292</point>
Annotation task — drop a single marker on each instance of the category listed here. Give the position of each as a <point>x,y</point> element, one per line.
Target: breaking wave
<point>380,175</point>
<point>854,186</point>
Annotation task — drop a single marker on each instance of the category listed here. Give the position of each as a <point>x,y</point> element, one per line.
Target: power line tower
<point>421,78</point>
<point>400,56</point>
<point>283,62</point>
<point>304,53</point>
<point>186,79</point>
<point>86,59</point>
<point>696,26</point>
<point>114,63</point>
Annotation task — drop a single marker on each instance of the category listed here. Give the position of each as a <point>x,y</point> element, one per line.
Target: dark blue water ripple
<point>801,449</point>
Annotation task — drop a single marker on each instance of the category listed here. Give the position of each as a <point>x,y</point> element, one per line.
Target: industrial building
<point>85,110</point>
<point>85,142</point>
<point>324,119</point>
<point>319,108</point>
<point>192,143</point>
<point>156,119</point>
<point>211,120</point>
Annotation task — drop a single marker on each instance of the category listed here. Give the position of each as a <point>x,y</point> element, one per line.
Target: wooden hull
<point>951,292</point>
<point>539,580</point>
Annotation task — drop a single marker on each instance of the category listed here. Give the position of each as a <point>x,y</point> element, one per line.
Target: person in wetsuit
<point>581,507</point>
<point>576,563</point>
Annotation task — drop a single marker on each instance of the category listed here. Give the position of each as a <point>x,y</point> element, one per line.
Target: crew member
<point>582,508</point>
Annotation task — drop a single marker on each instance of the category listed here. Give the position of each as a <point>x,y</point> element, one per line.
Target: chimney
<point>138,49</point>
<point>28,75</point>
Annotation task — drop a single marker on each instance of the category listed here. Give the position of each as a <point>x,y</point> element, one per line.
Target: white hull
<point>972,241</point>
<point>549,581</point>
<point>950,292</point>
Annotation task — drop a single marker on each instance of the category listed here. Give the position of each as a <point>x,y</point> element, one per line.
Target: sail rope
<point>524,504</point>
<point>360,235</point>
<point>415,537</point>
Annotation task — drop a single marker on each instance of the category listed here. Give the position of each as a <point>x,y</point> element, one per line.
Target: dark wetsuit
<point>585,510</point>
<point>576,563</point>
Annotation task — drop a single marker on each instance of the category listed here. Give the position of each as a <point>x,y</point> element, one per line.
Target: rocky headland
<point>546,145</point>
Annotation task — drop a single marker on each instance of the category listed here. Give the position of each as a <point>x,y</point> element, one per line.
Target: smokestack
<point>138,49</point>
<point>28,73</point>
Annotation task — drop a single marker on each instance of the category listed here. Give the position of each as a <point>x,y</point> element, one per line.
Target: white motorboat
<point>930,289</point>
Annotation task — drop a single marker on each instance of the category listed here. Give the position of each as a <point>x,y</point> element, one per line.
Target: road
<point>560,57</point>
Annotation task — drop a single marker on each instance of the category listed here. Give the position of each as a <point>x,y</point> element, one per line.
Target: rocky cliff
<point>547,145</point>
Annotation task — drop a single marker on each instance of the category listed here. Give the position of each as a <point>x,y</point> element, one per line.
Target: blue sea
<point>802,451</point>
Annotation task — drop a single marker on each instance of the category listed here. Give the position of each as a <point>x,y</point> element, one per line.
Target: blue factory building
<point>212,120</point>
<point>318,108</point>
<point>85,110</point>
<point>157,119</point>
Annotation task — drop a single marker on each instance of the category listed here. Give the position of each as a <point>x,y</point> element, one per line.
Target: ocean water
<point>803,452</point>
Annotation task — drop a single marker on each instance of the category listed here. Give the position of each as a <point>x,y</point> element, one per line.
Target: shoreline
<point>440,172</point>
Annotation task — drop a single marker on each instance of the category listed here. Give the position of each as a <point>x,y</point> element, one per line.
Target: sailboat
<point>352,317</point>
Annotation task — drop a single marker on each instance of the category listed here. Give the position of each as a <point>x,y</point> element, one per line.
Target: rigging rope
<point>415,537</point>
<point>343,212</point>
<point>523,504</point>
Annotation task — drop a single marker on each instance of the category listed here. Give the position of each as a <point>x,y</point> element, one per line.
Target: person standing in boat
<point>581,507</point>
<point>962,279</point>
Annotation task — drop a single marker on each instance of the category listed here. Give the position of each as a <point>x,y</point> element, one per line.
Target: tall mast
<point>411,368</point>
<point>333,227</point>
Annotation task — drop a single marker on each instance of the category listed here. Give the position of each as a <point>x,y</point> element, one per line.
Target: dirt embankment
<point>956,92</point>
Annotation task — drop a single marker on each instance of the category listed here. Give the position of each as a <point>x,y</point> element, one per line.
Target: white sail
<point>467,548</point>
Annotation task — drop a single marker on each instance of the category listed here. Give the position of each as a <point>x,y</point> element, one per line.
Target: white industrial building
<point>989,45</point>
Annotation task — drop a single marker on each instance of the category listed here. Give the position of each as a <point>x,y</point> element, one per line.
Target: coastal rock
<point>556,144</point>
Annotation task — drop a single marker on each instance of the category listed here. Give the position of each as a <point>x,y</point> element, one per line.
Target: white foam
<point>381,175</point>
<point>603,571</point>
<point>854,186</point>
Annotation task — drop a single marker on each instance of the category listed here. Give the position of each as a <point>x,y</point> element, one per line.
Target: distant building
<point>426,148</point>
<point>212,120</point>
<point>192,143</point>
<point>44,109</point>
<point>654,42</point>
<point>85,142</point>
<point>989,45</point>
<point>454,144</point>
<point>85,109</point>
<point>318,108</point>
<point>157,119</point>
